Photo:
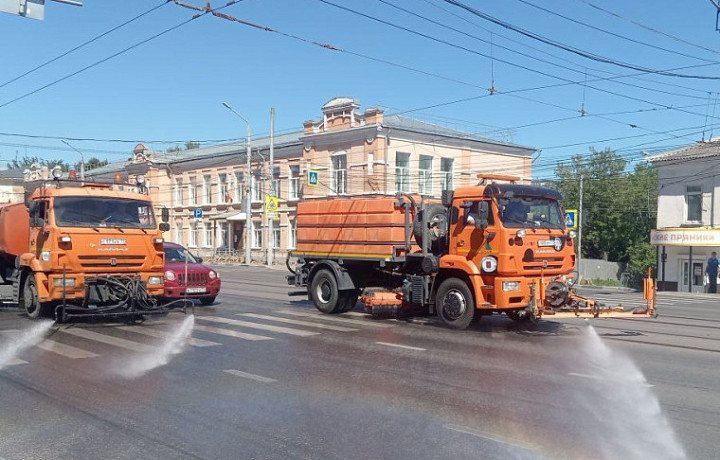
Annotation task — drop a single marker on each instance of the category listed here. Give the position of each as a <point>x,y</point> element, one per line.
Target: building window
<point>275,184</point>
<point>402,172</point>
<point>292,235</point>
<point>192,236</point>
<point>192,191</point>
<point>207,189</point>
<point>446,168</point>
<point>257,234</point>
<point>693,202</point>
<point>208,233</point>
<point>222,237</point>
<point>178,192</point>
<point>178,233</point>
<point>257,186</point>
<point>239,179</point>
<point>294,192</point>
<point>223,192</point>
<point>425,185</point>
<point>371,163</point>
<point>339,173</point>
<point>275,239</point>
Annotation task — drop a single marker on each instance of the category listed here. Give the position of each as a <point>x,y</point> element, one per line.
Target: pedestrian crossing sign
<point>571,219</point>
<point>272,205</point>
<point>313,177</point>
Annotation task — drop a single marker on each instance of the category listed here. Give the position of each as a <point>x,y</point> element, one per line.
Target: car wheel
<point>324,291</point>
<point>207,300</point>
<point>454,303</point>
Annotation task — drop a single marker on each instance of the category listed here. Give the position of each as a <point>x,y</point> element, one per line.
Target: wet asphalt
<point>267,377</point>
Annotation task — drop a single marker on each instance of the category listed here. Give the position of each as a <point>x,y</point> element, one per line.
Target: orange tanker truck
<point>83,249</point>
<point>491,248</point>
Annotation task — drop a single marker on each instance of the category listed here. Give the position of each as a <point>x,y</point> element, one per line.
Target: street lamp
<point>82,159</point>
<point>248,220</point>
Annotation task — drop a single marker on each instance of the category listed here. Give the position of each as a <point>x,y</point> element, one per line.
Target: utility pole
<point>272,187</point>
<point>82,158</point>
<point>581,217</point>
<point>248,211</point>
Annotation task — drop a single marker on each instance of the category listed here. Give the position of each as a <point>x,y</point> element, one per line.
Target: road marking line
<point>230,333</point>
<point>508,442</point>
<point>247,375</point>
<point>108,339</point>
<point>65,350</point>
<point>147,330</point>
<point>297,322</point>
<point>340,319</point>
<point>597,377</point>
<point>15,361</point>
<point>407,347</point>
<point>264,327</point>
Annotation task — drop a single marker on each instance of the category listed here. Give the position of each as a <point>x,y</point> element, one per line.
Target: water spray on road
<point>174,344</point>
<point>628,422</point>
<point>24,340</point>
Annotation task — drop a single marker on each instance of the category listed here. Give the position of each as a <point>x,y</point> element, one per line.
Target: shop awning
<point>685,237</point>
<point>229,215</point>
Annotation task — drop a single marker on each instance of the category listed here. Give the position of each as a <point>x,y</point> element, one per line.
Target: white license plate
<point>542,243</point>
<point>195,290</point>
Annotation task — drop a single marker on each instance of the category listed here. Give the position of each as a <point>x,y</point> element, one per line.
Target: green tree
<point>92,163</point>
<point>27,161</point>
<point>619,205</point>
<point>189,145</point>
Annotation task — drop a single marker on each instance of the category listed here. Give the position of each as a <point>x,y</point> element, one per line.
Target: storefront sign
<point>685,237</point>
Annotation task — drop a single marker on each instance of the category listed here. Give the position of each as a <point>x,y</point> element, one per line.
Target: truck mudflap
<point>574,305</point>
<point>118,298</point>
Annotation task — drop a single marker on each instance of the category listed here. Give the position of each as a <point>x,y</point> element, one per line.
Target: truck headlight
<point>64,282</point>
<point>511,285</point>
<point>170,275</point>
<point>155,280</point>
<point>45,256</point>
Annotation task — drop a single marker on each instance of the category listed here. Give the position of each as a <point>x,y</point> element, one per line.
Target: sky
<point>652,82</point>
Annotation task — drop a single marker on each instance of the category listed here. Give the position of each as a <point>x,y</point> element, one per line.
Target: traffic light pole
<point>272,188</point>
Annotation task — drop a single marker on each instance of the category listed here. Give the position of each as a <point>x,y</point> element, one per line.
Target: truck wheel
<point>324,291</point>
<point>31,299</point>
<point>454,304</point>
<point>348,300</point>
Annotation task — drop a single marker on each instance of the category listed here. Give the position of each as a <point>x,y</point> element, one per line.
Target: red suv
<point>202,282</point>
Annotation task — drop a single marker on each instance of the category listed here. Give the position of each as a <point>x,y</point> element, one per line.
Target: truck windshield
<point>103,212</point>
<point>530,212</point>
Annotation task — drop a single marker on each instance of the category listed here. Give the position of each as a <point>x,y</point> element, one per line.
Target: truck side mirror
<point>164,227</point>
<point>481,221</point>
<point>165,215</point>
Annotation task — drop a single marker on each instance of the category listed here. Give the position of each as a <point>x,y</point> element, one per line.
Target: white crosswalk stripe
<point>247,375</point>
<point>15,362</point>
<point>334,318</point>
<point>298,322</point>
<point>230,333</point>
<point>264,327</point>
<point>152,332</point>
<point>65,350</point>
<point>108,339</point>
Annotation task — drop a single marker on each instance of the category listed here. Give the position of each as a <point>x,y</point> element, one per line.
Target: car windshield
<point>530,212</point>
<point>179,255</point>
<point>100,212</point>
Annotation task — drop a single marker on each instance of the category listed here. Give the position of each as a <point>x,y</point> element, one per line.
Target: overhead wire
<point>577,51</point>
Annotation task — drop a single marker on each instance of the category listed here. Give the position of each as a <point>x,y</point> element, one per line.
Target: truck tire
<point>436,214</point>
<point>324,291</point>
<point>30,298</point>
<point>348,300</point>
<point>454,304</point>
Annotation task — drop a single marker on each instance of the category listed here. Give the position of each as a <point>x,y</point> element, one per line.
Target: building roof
<point>412,124</point>
<point>703,149</point>
<point>15,173</point>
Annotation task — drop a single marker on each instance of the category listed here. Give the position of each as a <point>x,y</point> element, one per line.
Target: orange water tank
<point>14,229</point>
